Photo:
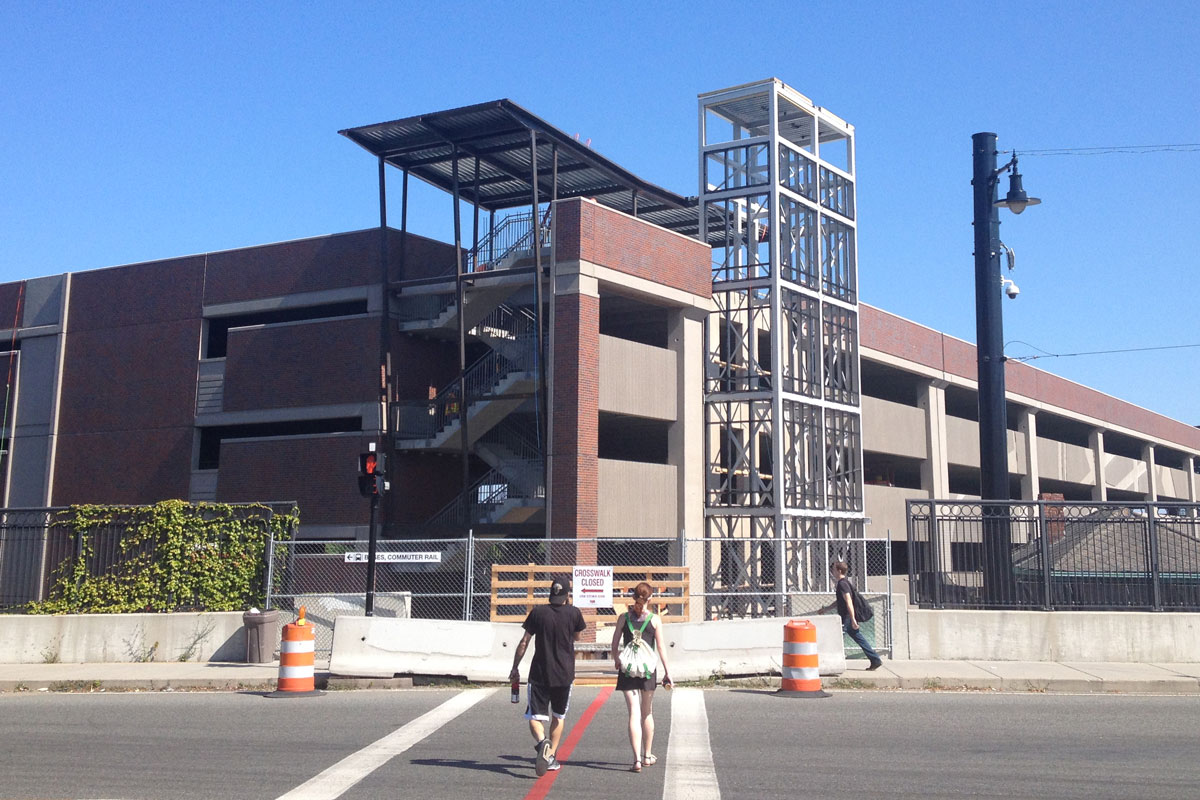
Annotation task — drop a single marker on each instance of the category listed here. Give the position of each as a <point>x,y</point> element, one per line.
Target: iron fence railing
<point>450,578</point>
<point>1054,555</point>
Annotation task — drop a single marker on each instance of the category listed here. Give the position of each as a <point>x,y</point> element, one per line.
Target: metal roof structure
<point>500,134</point>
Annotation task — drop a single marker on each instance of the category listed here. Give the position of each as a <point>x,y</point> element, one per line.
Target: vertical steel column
<point>1153,556</point>
<point>384,319</point>
<point>460,299</point>
<point>1047,584</point>
<point>475,221</point>
<point>775,315</point>
<point>539,370</point>
<point>989,335</point>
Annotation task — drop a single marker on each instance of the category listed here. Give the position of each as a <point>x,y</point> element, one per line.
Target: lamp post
<point>989,338</point>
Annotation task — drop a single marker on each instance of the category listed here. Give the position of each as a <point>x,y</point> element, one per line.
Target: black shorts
<point>542,701</point>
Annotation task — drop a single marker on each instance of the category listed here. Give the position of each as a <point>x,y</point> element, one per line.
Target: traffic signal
<point>371,471</point>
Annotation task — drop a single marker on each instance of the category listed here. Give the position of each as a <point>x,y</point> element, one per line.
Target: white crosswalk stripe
<point>690,773</point>
<point>334,781</point>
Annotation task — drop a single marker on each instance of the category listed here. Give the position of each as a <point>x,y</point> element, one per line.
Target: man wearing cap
<point>557,627</point>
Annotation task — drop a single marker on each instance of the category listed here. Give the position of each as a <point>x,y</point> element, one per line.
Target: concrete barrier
<point>372,647</point>
<point>1125,636</point>
<point>699,650</point>
<point>381,647</point>
<point>97,638</point>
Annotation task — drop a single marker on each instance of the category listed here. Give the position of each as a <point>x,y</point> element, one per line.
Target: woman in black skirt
<point>639,623</point>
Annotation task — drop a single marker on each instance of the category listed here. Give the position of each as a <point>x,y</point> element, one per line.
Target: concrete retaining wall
<point>699,650</point>
<point>97,638</point>
<point>483,651</point>
<point>1127,636</point>
<point>379,647</point>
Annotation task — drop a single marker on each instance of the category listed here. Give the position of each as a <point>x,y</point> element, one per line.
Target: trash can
<point>262,634</point>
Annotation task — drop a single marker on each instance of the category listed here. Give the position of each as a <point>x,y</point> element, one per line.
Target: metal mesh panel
<point>453,578</point>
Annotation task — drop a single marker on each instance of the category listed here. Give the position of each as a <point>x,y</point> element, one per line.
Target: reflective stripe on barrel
<point>800,671</point>
<point>296,657</point>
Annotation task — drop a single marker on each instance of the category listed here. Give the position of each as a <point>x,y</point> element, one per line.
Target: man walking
<point>844,593</point>
<point>557,627</point>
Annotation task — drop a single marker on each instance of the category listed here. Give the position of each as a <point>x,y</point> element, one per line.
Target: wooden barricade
<point>516,589</point>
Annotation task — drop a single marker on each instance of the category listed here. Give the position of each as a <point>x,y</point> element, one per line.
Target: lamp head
<point>1016,200</point>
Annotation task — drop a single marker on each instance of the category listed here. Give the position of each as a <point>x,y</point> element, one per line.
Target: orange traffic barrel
<point>297,653</point>
<point>801,674</point>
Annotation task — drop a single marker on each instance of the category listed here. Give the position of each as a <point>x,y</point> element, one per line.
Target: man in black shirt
<point>844,594</point>
<point>557,627</point>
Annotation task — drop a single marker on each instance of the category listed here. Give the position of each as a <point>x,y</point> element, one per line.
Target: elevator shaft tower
<point>783,425</point>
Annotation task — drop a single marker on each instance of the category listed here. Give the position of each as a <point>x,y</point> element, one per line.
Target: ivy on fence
<point>170,556</point>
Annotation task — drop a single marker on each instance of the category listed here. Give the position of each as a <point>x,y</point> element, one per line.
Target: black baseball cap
<point>558,593</point>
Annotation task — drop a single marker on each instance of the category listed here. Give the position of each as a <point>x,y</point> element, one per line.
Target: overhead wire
<point>1130,149</point>
<point>1046,354</point>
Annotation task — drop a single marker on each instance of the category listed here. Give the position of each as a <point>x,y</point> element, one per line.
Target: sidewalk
<point>1007,676</point>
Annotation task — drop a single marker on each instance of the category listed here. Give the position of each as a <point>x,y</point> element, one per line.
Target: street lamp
<point>989,337</point>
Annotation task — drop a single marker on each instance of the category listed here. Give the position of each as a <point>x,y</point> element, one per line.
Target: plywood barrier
<point>516,589</point>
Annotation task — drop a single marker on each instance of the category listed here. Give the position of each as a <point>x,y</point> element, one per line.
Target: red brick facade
<point>288,366</point>
<point>575,405</point>
<point>887,333</point>
<point>586,231</point>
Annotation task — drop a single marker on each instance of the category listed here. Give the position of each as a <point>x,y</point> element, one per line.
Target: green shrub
<point>169,556</point>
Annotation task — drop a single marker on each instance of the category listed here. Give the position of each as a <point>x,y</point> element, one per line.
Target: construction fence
<point>491,579</point>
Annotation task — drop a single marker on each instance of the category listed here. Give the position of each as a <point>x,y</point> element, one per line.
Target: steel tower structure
<point>783,429</point>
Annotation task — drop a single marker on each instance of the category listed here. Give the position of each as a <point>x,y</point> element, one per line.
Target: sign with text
<point>592,587</point>
<point>396,558</point>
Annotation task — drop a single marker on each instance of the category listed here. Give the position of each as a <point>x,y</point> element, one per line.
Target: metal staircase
<point>493,389</point>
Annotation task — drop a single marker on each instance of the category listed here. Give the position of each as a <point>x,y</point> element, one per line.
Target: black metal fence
<point>1054,555</point>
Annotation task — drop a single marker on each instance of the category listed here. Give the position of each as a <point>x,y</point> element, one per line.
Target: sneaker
<point>553,765</point>
<point>876,664</point>
<point>543,757</point>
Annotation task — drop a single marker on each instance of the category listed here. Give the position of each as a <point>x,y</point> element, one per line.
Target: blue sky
<point>132,132</point>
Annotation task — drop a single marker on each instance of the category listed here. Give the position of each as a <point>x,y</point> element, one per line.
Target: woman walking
<point>637,672</point>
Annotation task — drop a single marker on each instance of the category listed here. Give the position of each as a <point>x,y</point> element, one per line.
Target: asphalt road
<point>434,744</point>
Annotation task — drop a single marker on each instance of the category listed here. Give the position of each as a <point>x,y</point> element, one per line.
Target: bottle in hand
<point>516,691</point>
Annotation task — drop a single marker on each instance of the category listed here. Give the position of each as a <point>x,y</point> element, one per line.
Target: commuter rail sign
<point>395,558</point>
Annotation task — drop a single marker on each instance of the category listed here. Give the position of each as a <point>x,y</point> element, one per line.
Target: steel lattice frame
<point>777,203</point>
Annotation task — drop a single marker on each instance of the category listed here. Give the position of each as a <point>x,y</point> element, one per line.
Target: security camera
<point>1011,290</point>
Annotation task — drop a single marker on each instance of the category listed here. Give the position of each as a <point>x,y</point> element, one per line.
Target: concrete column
<point>1151,472</point>
<point>935,469</point>
<point>1189,464</point>
<point>685,443</point>
<point>1096,443</point>
<point>1031,481</point>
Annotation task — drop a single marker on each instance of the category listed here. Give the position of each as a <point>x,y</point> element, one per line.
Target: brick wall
<point>129,384</point>
<point>575,482</point>
<point>317,363</point>
<point>319,472</point>
<point>587,231</point>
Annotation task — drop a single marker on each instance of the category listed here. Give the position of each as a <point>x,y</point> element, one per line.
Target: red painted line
<point>542,787</point>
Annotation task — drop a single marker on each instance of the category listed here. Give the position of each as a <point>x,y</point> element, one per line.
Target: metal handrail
<point>482,497</point>
<point>511,237</point>
<point>423,420</point>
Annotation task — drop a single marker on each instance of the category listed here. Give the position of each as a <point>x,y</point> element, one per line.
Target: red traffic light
<point>369,463</point>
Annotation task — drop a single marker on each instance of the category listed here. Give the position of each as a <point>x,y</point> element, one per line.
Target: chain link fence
<point>453,578</point>
<point>1054,555</point>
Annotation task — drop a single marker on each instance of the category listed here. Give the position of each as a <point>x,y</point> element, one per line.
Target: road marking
<point>690,774</point>
<point>334,781</point>
<point>542,787</point>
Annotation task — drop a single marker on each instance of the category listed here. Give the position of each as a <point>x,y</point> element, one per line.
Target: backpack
<point>862,609</point>
<point>638,659</point>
